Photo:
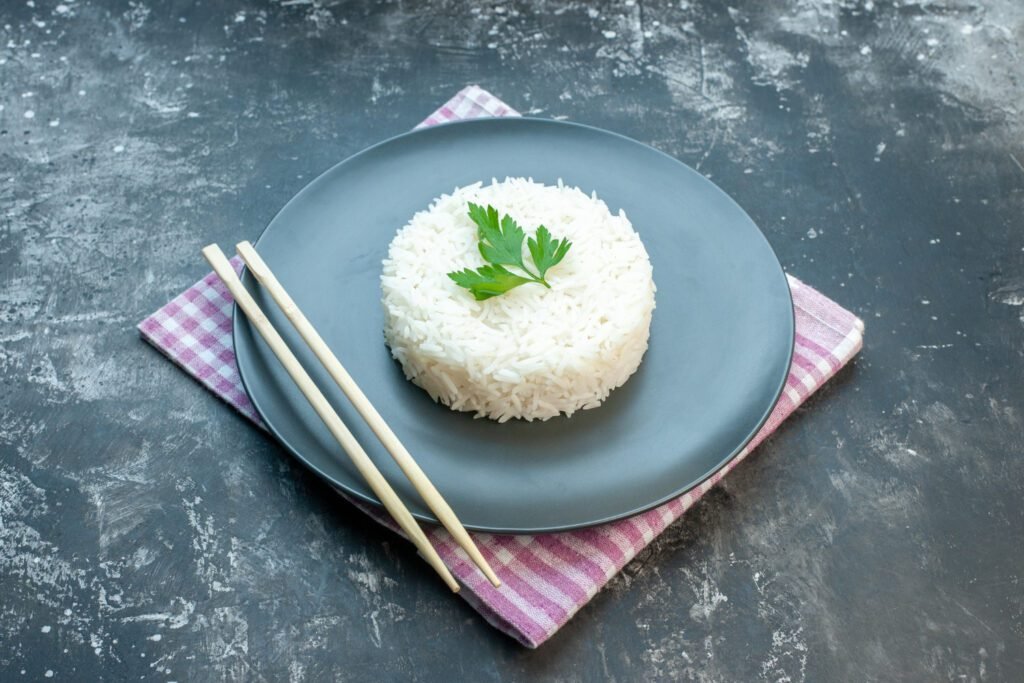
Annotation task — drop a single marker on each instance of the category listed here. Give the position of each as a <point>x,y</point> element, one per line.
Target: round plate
<point>721,336</point>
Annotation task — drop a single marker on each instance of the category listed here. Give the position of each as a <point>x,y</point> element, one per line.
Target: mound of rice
<point>532,352</point>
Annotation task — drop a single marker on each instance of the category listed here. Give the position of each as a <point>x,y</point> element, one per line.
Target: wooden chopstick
<point>348,442</point>
<point>387,437</point>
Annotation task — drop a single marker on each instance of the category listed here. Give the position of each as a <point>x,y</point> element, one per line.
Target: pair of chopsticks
<point>334,423</point>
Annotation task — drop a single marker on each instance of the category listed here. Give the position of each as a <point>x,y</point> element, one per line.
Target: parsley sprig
<point>501,245</point>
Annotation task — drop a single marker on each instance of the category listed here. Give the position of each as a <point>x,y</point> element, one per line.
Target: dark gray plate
<point>721,338</point>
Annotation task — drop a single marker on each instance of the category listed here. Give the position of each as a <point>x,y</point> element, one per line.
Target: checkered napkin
<point>546,578</point>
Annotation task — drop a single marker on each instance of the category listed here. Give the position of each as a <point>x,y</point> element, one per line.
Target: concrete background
<point>148,531</point>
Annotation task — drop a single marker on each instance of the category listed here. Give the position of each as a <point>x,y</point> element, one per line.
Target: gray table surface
<point>147,531</point>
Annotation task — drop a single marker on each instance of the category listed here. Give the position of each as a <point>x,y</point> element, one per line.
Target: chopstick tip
<point>252,259</point>
<point>214,256</point>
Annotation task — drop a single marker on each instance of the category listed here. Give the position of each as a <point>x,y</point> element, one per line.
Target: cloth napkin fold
<point>546,578</point>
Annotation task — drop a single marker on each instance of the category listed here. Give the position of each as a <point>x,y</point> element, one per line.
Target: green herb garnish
<point>501,244</point>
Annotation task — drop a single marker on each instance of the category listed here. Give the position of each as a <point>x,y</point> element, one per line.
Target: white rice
<point>532,352</point>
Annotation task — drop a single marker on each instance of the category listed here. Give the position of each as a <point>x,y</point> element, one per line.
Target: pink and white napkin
<point>546,578</point>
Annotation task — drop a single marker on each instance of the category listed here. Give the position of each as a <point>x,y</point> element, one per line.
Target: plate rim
<point>238,319</point>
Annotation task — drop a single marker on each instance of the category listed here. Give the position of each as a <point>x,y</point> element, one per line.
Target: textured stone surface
<point>146,530</point>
